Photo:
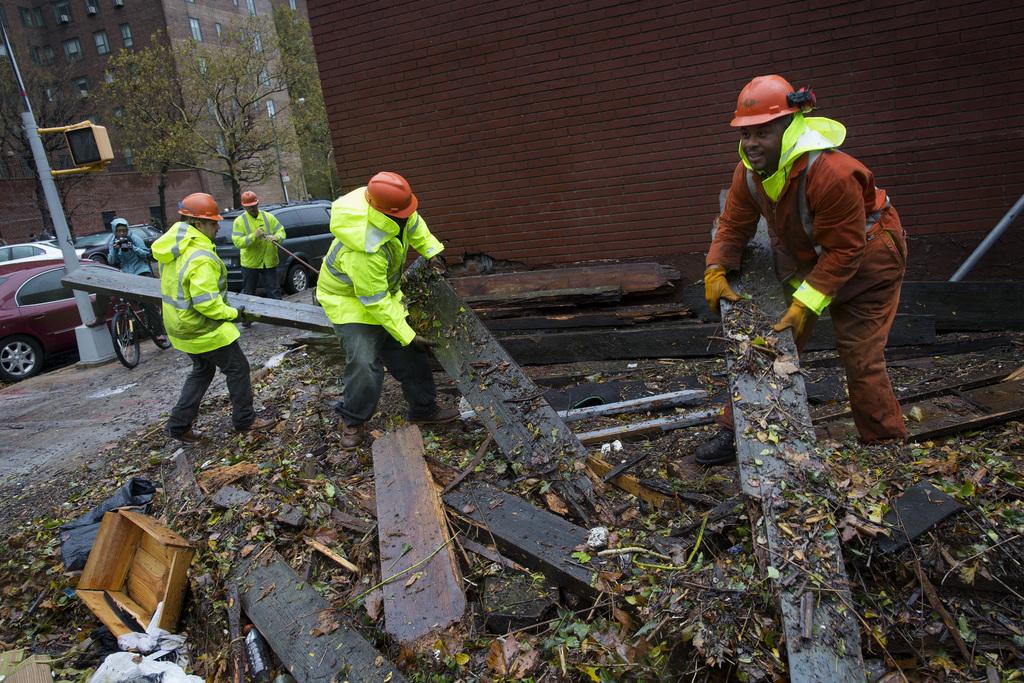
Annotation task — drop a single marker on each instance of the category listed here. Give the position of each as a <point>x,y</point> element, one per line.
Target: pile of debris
<point>504,548</point>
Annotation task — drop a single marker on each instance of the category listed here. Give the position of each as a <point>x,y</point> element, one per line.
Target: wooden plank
<point>509,404</point>
<point>627,277</point>
<point>97,604</point>
<point>956,306</point>
<point>139,288</point>
<point>111,554</point>
<point>818,615</point>
<point>535,538</point>
<point>559,298</point>
<point>330,554</point>
<point>411,527</point>
<point>628,483</point>
<point>615,317</point>
<point>303,629</point>
<point>672,340</point>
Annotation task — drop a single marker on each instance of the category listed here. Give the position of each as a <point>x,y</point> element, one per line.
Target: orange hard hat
<point>769,97</point>
<point>390,193</point>
<point>249,198</point>
<point>199,205</point>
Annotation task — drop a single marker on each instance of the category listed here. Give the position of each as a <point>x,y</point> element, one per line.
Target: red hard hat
<point>249,198</point>
<point>769,97</point>
<point>390,193</point>
<point>199,205</point>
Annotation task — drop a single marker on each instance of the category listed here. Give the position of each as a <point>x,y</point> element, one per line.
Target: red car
<point>38,316</point>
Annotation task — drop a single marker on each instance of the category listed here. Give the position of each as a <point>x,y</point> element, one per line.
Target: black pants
<point>261,277</point>
<point>232,362</point>
<point>368,349</point>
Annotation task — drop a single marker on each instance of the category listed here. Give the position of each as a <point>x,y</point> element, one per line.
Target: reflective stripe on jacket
<point>361,276</point>
<point>257,252</point>
<point>194,288</point>
<point>835,198</point>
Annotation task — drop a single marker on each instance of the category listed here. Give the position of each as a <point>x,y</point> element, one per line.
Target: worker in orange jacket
<point>838,243</point>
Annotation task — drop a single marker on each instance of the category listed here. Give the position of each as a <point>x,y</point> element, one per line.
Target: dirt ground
<point>715,621</point>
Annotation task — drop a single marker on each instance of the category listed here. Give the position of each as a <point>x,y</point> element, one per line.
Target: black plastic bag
<point>77,537</point>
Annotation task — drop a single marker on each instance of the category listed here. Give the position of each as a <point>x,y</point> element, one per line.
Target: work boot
<point>720,449</point>
<point>439,416</point>
<point>351,435</point>
<point>191,437</point>
<point>260,424</point>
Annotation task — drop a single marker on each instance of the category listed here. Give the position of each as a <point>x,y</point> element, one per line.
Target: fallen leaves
<point>511,658</point>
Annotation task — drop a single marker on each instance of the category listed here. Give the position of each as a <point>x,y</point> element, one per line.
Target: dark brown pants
<point>862,315</point>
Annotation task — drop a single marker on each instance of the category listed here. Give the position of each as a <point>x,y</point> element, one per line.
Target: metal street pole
<point>277,148</point>
<point>94,344</point>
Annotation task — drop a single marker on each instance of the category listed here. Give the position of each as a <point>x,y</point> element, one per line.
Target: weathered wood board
<point>411,526</point>
<point>139,288</point>
<point>625,277</point>
<point>535,538</point>
<point>822,632</point>
<point>505,399</point>
<point>303,629</point>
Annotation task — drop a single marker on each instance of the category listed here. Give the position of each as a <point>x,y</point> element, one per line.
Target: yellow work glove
<point>717,287</point>
<point>796,318</point>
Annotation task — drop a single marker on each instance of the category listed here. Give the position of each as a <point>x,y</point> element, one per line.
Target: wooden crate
<point>135,564</point>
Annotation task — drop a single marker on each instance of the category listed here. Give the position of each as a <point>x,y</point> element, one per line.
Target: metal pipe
<point>989,240</point>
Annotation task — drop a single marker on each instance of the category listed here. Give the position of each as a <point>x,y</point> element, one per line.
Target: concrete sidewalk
<point>53,419</point>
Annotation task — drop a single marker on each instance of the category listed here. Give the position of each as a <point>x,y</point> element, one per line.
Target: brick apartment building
<point>79,36</point>
<point>551,132</point>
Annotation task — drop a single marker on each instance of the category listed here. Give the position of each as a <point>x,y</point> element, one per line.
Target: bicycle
<point>129,324</point>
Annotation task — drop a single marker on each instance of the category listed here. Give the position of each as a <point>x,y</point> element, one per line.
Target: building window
<point>251,4</point>
<point>217,27</point>
<point>102,46</point>
<point>291,5</point>
<point>72,49</point>
<point>271,111</point>
<point>129,157</point>
<point>108,77</point>
<point>264,77</point>
<point>197,31</point>
<point>82,84</point>
<point>46,55</point>
<point>49,94</point>
<point>34,53</point>
<point>202,65</point>
<point>91,7</point>
<point>31,17</point>
<point>62,11</point>
<point>257,41</point>
<point>126,35</point>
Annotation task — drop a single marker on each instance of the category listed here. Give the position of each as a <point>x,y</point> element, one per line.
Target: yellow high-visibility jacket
<point>194,287</point>
<point>257,253</point>
<point>361,276</point>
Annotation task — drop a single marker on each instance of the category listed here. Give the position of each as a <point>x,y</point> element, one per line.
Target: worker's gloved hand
<point>716,287</point>
<point>422,343</point>
<point>245,316</point>
<point>439,265</point>
<point>795,318</point>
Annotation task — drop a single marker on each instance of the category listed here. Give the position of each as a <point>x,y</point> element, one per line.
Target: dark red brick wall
<point>553,132</point>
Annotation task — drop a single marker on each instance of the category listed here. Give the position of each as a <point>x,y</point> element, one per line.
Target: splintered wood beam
<point>105,281</point>
<point>672,399</point>
<point>774,448</point>
<point>524,426</point>
<point>412,533</point>
<point>649,428</point>
<point>303,629</point>
<point>535,538</point>
<point>625,277</point>
<point>673,340</point>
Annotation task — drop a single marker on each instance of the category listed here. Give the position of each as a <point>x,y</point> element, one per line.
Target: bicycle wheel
<point>125,338</point>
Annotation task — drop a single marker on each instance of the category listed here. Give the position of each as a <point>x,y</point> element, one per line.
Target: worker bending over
<point>256,234</point>
<point>837,240</point>
<point>360,290</point>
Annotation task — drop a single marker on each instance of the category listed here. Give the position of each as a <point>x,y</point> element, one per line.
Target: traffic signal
<point>89,145</point>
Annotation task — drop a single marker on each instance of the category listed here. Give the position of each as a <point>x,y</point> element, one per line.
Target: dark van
<point>307,226</point>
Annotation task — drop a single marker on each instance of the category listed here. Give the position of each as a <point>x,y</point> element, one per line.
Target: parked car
<point>30,252</point>
<point>308,229</point>
<point>38,317</point>
<point>95,246</point>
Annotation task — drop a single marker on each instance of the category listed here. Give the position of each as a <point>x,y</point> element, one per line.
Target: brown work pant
<point>862,315</point>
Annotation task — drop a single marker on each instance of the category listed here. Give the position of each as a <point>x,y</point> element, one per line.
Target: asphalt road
<point>50,422</point>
